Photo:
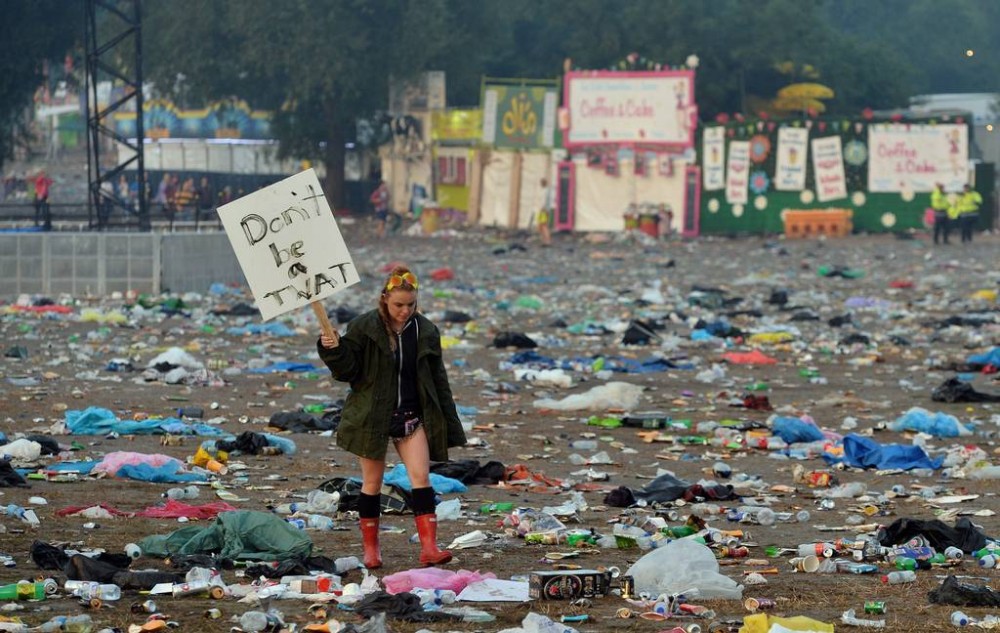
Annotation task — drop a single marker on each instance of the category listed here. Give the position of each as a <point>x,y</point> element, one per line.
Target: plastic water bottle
<point>802,516</point>
<point>188,492</point>
<point>28,516</point>
<point>323,502</point>
<point>133,551</point>
<point>346,564</point>
<point>88,590</point>
<point>959,619</point>
<point>766,516</point>
<point>899,577</point>
<point>260,622</point>
<point>583,445</point>
<point>320,522</point>
<point>435,596</point>
<point>68,624</point>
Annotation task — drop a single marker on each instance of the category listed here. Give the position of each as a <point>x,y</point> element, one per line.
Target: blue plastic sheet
<point>794,430</point>
<point>864,452</point>
<point>441,484</point>
<point>274,329</point>
<point>283,366</point>
<point>991,357</point>
<point>167,473</point>
<point>99,421</point>
<point>936,424</point>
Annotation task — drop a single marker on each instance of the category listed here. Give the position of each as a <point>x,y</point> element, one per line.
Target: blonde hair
<point>383,296</point>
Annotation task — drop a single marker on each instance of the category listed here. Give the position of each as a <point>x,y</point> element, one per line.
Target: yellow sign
<point>457,125</point>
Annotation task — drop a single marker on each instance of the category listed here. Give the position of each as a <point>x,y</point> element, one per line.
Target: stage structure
<point>114,27</point>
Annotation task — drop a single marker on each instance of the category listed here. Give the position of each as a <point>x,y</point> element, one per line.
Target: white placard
<point>655,107</point>
<point>790,169</point>
<point>915,157</point>
<point>713,147</point>
<point>489,116</point>
<point>828,168</point>
<point>737,169</point>
<point>288,244</point>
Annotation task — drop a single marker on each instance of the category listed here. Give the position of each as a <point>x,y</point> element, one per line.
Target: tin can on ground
<point>627,584</point>
<point>147,606</point>
<point>212,614</point>
<point>756,604</point>
<point>568,585</point>
<point>875,606</point>
<point>734,552</point>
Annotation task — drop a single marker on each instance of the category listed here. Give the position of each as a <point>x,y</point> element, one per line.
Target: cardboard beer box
<point>568,584</point>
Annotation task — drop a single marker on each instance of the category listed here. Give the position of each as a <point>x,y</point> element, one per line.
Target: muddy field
<point>557,296</point>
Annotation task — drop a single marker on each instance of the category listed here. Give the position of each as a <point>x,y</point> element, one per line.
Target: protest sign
<point>289,246</point>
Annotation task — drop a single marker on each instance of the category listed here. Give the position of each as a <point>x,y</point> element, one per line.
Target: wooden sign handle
<point>324,321</point>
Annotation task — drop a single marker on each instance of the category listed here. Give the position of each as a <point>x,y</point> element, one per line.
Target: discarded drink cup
<point>756,604</point>
<point>808,564</point>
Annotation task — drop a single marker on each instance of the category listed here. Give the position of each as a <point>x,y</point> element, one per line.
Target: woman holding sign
<point>392,358</point>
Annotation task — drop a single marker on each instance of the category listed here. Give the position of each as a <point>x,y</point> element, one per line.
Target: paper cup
<point>808,564</point>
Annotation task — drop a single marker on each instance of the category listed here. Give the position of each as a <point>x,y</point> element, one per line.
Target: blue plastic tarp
<point>937,424</point>
<point>283,366</point>
<point>100,421</point>
<point>991,357</point>
<point>794,430</point>
<point>274,329</point>
<point>441,484</point>
<point>167,473</point>
<point>864,452</point>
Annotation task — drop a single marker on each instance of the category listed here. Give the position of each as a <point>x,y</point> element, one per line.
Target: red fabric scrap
<point>173,509</point>
<point>71,510</point>
<point>755,357</point>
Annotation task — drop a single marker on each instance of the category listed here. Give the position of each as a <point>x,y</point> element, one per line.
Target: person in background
<point>206,198</point>
<point>43,212</point>
<point>391,356</point>
<point>545,213</point>
<point>940,205</point>
<point>380,200</point>
<point>968,212</point>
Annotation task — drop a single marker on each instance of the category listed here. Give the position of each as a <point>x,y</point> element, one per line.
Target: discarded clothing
<point>173,509</point>
<point>240,535</point>
<point>513,339</point>
<point>955,390</point>
<point>468,471</point>
<point>960,594</point>
<point>965,536</point>
<point>10,478</point>
<point>402,606</point>
<point>302,422</point>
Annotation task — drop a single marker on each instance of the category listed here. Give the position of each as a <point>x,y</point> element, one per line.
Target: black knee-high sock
<point>423,501</point>
<point>369,506</point>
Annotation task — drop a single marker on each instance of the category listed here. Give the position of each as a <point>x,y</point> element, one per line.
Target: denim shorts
<point>403,424</point>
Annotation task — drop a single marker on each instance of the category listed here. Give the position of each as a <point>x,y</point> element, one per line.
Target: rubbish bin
<point>429,219</point>
<point>649,223</point>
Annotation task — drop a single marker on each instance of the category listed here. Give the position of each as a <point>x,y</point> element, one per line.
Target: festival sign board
<point>790,168</point>
<point>914,157</point>
<point>519,116</point>
<point>828,168</point>
<point>288,245</point>
<point>713,146</point>
<point>637,107</point>
<point>737,172</point>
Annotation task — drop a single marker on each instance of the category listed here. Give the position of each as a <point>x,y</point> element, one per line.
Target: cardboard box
<point>568,584</point>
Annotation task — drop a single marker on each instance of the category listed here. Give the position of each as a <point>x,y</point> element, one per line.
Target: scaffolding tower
<point>114,33</point>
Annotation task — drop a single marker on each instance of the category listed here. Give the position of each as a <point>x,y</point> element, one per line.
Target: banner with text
<point>915,157</point>
<point>828,168</point>
<point>713,146</point>
<point>521,117</point>
<point>288,244</point>
<point>737,168</point>
<point>647,107</point>
<point>790,169</point>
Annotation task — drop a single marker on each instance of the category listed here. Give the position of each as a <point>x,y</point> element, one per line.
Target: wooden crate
<point>816,222</point>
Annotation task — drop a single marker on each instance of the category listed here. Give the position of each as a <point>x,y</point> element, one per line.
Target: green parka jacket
<point>364,359</point>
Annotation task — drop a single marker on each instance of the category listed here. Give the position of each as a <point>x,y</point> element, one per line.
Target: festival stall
<point>809,176</point>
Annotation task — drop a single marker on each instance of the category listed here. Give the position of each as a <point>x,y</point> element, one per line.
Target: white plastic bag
<point>683,566</point>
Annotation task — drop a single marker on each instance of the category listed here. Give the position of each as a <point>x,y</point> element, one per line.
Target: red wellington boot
<point>429,552</point>
<point>369,539</point>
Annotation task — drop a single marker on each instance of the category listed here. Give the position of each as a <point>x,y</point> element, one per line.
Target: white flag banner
<point>713,147</point>
<point>790,169</point>
<point>828,168</point>
<point>737,170</point>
